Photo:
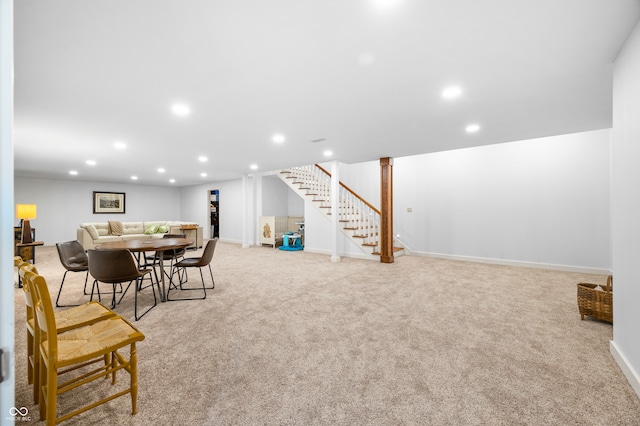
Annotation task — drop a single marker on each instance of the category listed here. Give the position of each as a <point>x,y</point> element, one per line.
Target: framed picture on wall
<point>108,202</point>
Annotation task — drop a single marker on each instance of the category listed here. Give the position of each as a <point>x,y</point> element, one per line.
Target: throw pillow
<point>163,229</point>
<point>92,231</point>
<point>151,229</point>
<point>115,228</point>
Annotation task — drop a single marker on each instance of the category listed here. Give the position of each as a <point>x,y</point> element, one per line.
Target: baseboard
<point>628,371</point>
<point>351,255</point>
<point>518,263</point>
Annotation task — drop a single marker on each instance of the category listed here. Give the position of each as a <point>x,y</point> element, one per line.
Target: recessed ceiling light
<point>180,109</point>
<point>472,128</point>
<point>91,162</point>
<point>278,138</point>
<point>254,167</point>
<point>73,172</point>
<point>203,174</point>
<point>328,153</point>
<point>161,170</point>
<point>119,145</point>
<point>134,177</point>
<point>452,92</point>
<point>202,159</point>
<point>172,181</point>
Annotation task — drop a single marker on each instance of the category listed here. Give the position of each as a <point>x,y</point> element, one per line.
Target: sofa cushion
<point>115,228</point>
<point>133,228</point>
<point>103,228</point>
<point>92,231</point>
<point>151,229</point>
<point>107,239</point>
<point>136,237</point>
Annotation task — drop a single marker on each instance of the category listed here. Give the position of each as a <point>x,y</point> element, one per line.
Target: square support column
<point>386,210</point>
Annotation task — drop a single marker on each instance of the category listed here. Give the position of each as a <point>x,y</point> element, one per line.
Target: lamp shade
<point>26,211</point>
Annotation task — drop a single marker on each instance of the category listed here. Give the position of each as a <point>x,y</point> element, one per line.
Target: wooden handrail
<point>351,191</point>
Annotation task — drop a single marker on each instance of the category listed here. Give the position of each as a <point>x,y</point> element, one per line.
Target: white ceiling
<point>365,75</point>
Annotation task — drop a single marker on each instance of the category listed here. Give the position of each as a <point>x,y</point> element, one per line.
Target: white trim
<point>344,254</point>
<point>626,368</point>
<point>518,263</point>
<point>7,319</point>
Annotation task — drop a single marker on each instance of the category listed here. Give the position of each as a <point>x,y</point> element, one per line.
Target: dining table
<point>159,245</point>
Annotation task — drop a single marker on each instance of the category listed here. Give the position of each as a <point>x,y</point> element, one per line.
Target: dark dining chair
<point>172,256</point>
<point>74,259</point>
<point>193,262</point>
<point>117,267</point>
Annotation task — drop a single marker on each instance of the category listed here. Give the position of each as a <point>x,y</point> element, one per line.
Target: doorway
<point>214,217</point>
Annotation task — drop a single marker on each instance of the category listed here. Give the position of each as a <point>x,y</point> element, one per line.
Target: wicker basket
<point>596,303</point>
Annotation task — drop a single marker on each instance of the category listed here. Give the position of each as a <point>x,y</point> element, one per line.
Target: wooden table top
<point>153,244</point>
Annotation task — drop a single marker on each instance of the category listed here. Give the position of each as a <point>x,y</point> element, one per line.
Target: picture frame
<point>108,202</point>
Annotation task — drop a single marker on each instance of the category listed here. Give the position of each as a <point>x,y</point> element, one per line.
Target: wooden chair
<point>116,267</point>
<point>30,322</point>
<point>68,319</point>
<point>77,349</point>
<point>194,262</point>
<point>74,259</point>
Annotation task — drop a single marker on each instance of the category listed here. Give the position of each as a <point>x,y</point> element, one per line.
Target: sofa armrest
<point>85,239</point>
<point>193,233</point>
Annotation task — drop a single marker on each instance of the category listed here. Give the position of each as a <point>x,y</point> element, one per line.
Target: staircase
<point>359,220</point>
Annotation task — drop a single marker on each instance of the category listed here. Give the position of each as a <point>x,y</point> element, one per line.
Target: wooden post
<point>386,210</point>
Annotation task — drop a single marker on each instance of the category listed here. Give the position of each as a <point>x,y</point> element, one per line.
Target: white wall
<point>295,204</point>
<point>363,178</point>
<point>194,199</point>
<point>63,204</point>
<point>626,209</point>
<point>275,197</point>
<point>543,201</point>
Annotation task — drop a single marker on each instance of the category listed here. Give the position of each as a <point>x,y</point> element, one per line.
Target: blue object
<point>296,246</point>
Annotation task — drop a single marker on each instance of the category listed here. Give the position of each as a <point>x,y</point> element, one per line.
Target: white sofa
<point>91,234</point>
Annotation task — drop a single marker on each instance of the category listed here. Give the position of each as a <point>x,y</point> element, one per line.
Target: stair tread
<point>395,249</point>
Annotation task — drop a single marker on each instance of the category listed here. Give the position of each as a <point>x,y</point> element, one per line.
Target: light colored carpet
<point>292,338</point>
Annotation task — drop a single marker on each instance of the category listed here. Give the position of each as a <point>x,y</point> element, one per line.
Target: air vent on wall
<point>318,140</point>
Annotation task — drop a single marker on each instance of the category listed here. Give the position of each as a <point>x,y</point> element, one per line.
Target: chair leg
<point>135,306</point>
<point>86,277</point>
<point>51,397</point>
<point>30,357</point>
<point>94,287</point>
<point>60,291</point>
<point>213,283</point>
<point>42,391</point>
<point>123,292</point>
<point>133,377</point>
<point>181,288</point>
<point>37,382</point>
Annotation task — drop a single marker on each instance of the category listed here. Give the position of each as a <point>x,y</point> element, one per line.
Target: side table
<point>191,233</point>
<point>27,252</point>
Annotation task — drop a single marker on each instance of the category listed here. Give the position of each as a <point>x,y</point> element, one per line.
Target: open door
<point>214,219</point>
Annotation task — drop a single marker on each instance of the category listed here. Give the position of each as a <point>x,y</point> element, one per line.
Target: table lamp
<point>25,212</point>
